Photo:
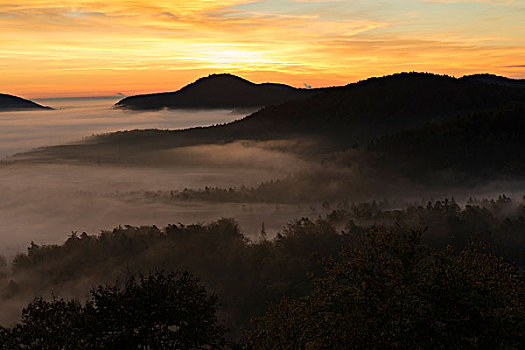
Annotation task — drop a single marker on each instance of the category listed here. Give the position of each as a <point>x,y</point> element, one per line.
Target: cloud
<point>88,47</point>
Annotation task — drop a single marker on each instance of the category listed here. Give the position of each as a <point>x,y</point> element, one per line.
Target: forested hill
<point>380,106</point>
<point>12,103</point>
<point>342,117</point>
<point>218,91</point>
<point>358,112</point>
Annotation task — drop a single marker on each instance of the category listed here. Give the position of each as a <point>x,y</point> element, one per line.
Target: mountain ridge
<point>337,119</point>
<point>14,103</point>
<point>383,105</point>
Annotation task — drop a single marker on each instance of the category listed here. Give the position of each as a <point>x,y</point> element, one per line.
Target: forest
<point>385,267</point>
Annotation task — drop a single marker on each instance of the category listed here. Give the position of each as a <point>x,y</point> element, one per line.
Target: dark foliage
<point>245,275</point>
<point>500,221</point>
<point>483,145</point>
<point>249,275</point>
<point>392,292</point>
<point>157,311</point>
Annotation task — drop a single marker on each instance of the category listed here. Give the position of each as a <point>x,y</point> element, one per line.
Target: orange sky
<point>83,48</point>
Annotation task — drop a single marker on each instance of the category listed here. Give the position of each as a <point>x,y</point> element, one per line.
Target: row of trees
<point>246,275</point>
<point>387,290</point>
<point>500,221</point>
<point>250,275</point>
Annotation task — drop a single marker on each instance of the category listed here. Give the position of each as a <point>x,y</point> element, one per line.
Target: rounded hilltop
<point>218,91</point>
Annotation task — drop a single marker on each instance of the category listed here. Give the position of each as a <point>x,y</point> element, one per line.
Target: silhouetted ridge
<point>380,106</point>
<point>218,91</point>
<point>496,79</point>
<point>340,118</point>
<point>10,103</point>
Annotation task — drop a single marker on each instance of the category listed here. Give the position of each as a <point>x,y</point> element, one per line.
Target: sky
<point>94,48</point>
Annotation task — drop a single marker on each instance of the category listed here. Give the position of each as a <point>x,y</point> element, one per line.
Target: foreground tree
<point>157,311</point>
<point>392,292</point>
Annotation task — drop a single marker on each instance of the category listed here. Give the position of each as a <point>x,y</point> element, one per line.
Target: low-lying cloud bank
<point>21,131</point>
<point>45,203</point>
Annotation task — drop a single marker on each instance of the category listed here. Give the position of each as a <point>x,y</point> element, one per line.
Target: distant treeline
<point>500,221</point>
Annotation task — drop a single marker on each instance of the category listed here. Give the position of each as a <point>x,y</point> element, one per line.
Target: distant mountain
<point>339,118</point>
<point>218,91</point>
<point>12,103</point>
<point>360,112</point>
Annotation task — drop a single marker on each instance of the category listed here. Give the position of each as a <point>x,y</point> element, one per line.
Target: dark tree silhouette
<point>393,292</point>
<point>156,311</point>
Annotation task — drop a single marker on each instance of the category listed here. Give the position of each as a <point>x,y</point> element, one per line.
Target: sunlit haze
<point>90,48</point>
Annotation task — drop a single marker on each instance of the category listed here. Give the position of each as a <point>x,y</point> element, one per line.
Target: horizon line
<point>121,95</point>
<point>98,97</point>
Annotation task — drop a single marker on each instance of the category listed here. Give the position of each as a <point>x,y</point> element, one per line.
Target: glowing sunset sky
<point>82,48</point>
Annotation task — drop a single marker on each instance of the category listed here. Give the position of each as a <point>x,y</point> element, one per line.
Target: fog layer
<point>44,203</point>
<point>73,120</point>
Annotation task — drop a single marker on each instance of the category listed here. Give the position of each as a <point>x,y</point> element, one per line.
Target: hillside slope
<point>481,145</point>
<point>13,103</point>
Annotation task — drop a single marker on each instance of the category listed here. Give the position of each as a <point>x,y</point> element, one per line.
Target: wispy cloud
<point>88,47</point>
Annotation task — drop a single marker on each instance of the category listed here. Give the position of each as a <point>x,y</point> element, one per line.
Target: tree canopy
<point>393,292</point>
<point>154,311</point>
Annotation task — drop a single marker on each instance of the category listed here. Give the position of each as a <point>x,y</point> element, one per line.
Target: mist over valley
<point>249,202</point>
<point>88,166</point>
<point>262,175</point>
